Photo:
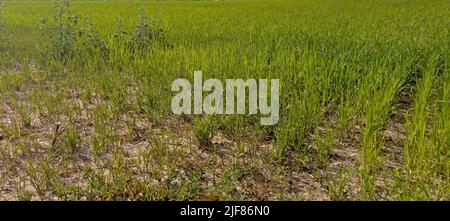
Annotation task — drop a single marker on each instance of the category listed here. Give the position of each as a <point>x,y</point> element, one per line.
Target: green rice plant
<point>442,121</point>
<point>416,146</point>
<point>25,117</point>
<point>113,87</point>
<point>204,129</point>
<point>324,145</point>
<point>101,137</point>
<point>72,140</point>
<point>423,157</point>
<point>346,112</point>
<point>3,30</point>
<point>64,147</point>
<point>440,137</point>
<point>11,82</point>
<point>150,99</point>
<point>23,194</point>
<point>337,185</point>
<point>382,92</point>
<point>44,179</point>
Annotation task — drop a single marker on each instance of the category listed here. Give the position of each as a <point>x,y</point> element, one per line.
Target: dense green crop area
<point>364,93</point>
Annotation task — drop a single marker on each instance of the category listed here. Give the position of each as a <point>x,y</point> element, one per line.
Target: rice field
<point>85,100</point>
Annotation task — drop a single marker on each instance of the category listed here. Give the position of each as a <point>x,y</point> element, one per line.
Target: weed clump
<point>147,32</point>
<point>90,41</point>
<point>72,37</point>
